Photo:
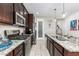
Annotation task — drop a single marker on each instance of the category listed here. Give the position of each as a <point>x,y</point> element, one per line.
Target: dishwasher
<point>27,46</point>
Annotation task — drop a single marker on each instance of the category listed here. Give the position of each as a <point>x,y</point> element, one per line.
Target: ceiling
<point>47,9</point>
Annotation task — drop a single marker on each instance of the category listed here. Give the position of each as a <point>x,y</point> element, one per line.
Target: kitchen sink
<point>60,38</point>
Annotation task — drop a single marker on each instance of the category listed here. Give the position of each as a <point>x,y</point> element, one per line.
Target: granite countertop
<point>69,46</point>
<point>14,45</point>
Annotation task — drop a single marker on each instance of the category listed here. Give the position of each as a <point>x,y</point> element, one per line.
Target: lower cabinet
<point>53,48</point>
<point>10,54</point>
<point>18,51</point>
<point>56,52</point>
<point>56,49</point>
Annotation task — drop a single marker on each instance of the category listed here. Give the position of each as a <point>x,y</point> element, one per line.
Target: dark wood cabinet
<point>17,7</point>
<point>6,13</point>
<point>30,22</point>
<point>20,8</point>
<point>54,48</point>
<point>56,52</point>
<point>18,51</point>
<point>10,54</point>
<point>51,49</point>
<point>50,46</point>
<point>8,10</point>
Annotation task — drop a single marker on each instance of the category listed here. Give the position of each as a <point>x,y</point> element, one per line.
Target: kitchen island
<point>16,49</point>
<point>61,48</point>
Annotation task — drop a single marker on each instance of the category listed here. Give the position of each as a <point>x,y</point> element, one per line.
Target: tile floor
<point>39,49</point>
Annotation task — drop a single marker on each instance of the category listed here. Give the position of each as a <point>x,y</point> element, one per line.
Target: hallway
<point>39,49</point>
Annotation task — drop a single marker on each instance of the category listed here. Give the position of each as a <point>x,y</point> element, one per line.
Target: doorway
<point>40,29</point>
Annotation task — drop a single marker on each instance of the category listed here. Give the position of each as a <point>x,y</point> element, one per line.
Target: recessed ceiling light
<point>37,12</point>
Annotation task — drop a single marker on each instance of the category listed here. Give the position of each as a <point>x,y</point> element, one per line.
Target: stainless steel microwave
<point>19,20</point>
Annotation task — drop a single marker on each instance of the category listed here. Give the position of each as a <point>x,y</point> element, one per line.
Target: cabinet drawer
<point>60,49</point>
<point>18,49</point>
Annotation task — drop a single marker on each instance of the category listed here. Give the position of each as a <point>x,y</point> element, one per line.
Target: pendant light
<point>55,14</point>
<point>64,14</point>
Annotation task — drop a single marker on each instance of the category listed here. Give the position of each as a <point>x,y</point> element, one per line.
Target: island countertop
<point>13,46</point>
<point>69,46</point>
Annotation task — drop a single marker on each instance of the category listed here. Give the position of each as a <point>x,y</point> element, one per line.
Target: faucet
<point>57,30</point>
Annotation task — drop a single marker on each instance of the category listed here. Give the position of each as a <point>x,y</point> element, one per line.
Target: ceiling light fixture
<point>64,14</point>
<point>37,13</point>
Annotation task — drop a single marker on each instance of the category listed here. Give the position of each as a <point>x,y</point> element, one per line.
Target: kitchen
<point>39,29</point>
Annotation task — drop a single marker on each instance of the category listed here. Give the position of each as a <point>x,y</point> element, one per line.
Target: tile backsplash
<point>9,27</point>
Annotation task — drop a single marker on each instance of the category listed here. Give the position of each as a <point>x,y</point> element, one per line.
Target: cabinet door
<point>19,50</point>
<point>47,42</point>
<point>48,45</point>
<point>51,49</point>
<point>30,21</point>
<point>6,13</point>
<point>17,7</point>
<point>11,13</point>
<point>56,52</point>
<point>21,9</point>
<point>24,13</point>
<point>1,12</point>
<point>10,54</point>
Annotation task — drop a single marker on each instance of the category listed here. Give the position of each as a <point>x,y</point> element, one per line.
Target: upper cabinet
<point>22,12</point>
<point>18,8</point>
<point>6,13</point>
<point>30,22</point>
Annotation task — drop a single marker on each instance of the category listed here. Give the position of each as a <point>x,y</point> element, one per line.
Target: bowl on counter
<point>5,45</point>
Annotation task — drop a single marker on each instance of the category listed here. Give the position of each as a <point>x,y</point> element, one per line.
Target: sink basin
<point>62,39</point>
<point>5,46</point>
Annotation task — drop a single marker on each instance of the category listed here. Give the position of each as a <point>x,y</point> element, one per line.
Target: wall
<point>67,25</point>
<point>50,25</point>
<point>9,27</point>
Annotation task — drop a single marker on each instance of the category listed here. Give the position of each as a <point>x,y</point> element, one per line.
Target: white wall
<point>52,28</point>
<point>9,27</point>
<point>67,25</point>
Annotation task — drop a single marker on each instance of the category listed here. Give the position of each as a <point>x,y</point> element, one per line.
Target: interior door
<point>40,29</point>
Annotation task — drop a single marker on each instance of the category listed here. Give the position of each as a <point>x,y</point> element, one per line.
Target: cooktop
<point>20,37</point>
